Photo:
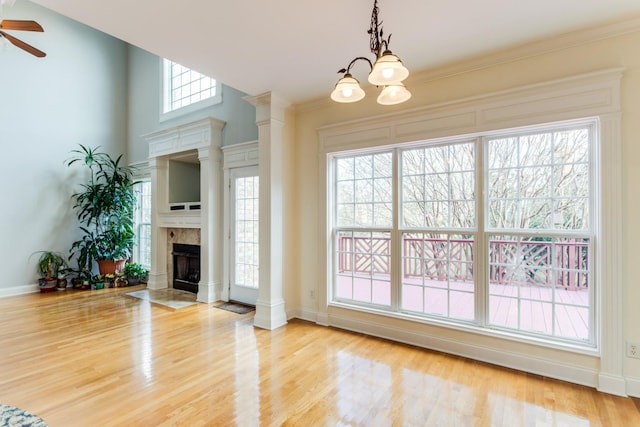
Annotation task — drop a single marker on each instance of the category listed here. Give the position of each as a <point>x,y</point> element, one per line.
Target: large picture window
<point>493,231</point>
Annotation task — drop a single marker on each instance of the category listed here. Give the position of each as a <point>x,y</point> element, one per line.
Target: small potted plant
<point>109,279</point>
<point>135,273</point>
<point>121,280</point>
<point>62,278</point>
<point>49,264</point>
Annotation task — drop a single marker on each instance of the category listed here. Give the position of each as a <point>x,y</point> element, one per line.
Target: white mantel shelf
<point>179,219</point>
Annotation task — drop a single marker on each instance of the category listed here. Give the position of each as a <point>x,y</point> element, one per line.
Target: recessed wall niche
<point>184,180</point>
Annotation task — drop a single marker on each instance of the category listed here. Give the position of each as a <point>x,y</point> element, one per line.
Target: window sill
<point>192,108</point>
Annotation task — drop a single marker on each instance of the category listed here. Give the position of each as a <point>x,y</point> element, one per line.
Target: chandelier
<point>387,71</point>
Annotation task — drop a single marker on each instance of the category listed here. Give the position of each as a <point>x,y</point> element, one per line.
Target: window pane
<point>246,227</point>
<point>142,224</point>
<point>438,178</point>
<point>364,267</point>
<point>364,193</point>
<point>542,184</point>
<point>437,274</point>
<point>185,86</point>
<point>540,285</point>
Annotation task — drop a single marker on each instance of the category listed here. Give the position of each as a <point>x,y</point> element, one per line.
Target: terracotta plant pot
<point>110,266</point>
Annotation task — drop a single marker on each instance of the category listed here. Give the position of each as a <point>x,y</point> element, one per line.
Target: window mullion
<point>481,247</point>
<point>396,237</point>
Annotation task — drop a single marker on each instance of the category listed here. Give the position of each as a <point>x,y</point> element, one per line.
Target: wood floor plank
<point>101,358</point>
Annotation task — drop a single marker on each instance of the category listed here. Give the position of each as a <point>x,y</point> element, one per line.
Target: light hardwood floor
<point>100,358</point>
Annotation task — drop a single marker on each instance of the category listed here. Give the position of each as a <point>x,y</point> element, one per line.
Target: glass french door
<point>245,227</point>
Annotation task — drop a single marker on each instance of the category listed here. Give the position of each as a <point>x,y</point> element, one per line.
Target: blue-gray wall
<point>144,108</point>
<point>76,94</point>
<point>91,89</point>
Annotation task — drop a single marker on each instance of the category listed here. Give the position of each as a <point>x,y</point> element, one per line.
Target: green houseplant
<point>104,207</point>
<point>49,265</point>
<point>135,273</point>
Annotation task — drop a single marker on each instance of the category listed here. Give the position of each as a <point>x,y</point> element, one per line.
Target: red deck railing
<point>532,263</point>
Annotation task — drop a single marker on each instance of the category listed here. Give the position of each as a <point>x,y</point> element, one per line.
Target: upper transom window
<point>186,90</point>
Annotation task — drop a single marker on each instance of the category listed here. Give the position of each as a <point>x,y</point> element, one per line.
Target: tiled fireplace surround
<point>189,236</point>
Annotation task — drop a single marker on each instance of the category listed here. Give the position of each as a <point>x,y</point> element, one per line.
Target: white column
<point>159,198</point>
<point>209,288</point>
<point>611,378</point>
<point>270,118</point>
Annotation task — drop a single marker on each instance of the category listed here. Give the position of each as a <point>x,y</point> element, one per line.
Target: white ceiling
<point>295,47</point>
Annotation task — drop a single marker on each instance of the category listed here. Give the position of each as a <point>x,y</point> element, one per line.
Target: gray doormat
<point>236,307</point>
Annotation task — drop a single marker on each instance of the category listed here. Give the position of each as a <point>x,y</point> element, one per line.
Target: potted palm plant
<point>104,207</point>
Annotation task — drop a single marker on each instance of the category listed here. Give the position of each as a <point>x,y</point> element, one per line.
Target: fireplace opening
<point>186,267</point>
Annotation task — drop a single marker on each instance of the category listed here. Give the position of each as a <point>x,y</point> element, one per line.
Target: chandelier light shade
<point>394,94</point>
<point>347,90</point>
<point>387,71</point>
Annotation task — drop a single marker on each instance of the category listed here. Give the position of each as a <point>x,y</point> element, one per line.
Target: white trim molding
<point>19,290</point>
<point>592,95</point>
<point>234,156</point>
<point>203,137</point>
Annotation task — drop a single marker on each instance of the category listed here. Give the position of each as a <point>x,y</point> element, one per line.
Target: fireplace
<point>186,267</point>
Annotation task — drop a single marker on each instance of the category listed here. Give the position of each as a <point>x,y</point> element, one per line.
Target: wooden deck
<point>528,308</point>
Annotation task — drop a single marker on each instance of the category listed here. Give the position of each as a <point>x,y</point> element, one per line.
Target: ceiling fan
<point>19,25</point>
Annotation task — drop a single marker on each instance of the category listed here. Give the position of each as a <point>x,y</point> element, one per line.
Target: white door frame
<point>234,156</point>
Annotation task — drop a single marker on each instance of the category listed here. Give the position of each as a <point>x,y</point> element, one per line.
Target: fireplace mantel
<point>190,136</point>
<point>203,137</point>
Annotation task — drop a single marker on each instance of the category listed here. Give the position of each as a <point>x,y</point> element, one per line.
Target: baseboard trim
<point>612,384</point>
<point>523,362</point>
<point>303,314</point>
<point>19,290</point>
<point>633,386</point>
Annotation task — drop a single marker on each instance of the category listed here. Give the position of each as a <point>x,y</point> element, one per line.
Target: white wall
<point>540,62</point>
<point>76,94</point>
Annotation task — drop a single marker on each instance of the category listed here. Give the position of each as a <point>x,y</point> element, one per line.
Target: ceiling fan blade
<point>13,24</point>
<point>24,46</point>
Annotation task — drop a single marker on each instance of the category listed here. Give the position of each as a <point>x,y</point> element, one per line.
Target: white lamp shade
<point>347,90</point>
<point>394,94</point>
<point>388,70</point>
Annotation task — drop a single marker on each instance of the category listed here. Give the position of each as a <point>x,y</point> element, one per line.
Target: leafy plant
<point>49,264</point>
<point>104,207</point>
<point>134,270</point>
